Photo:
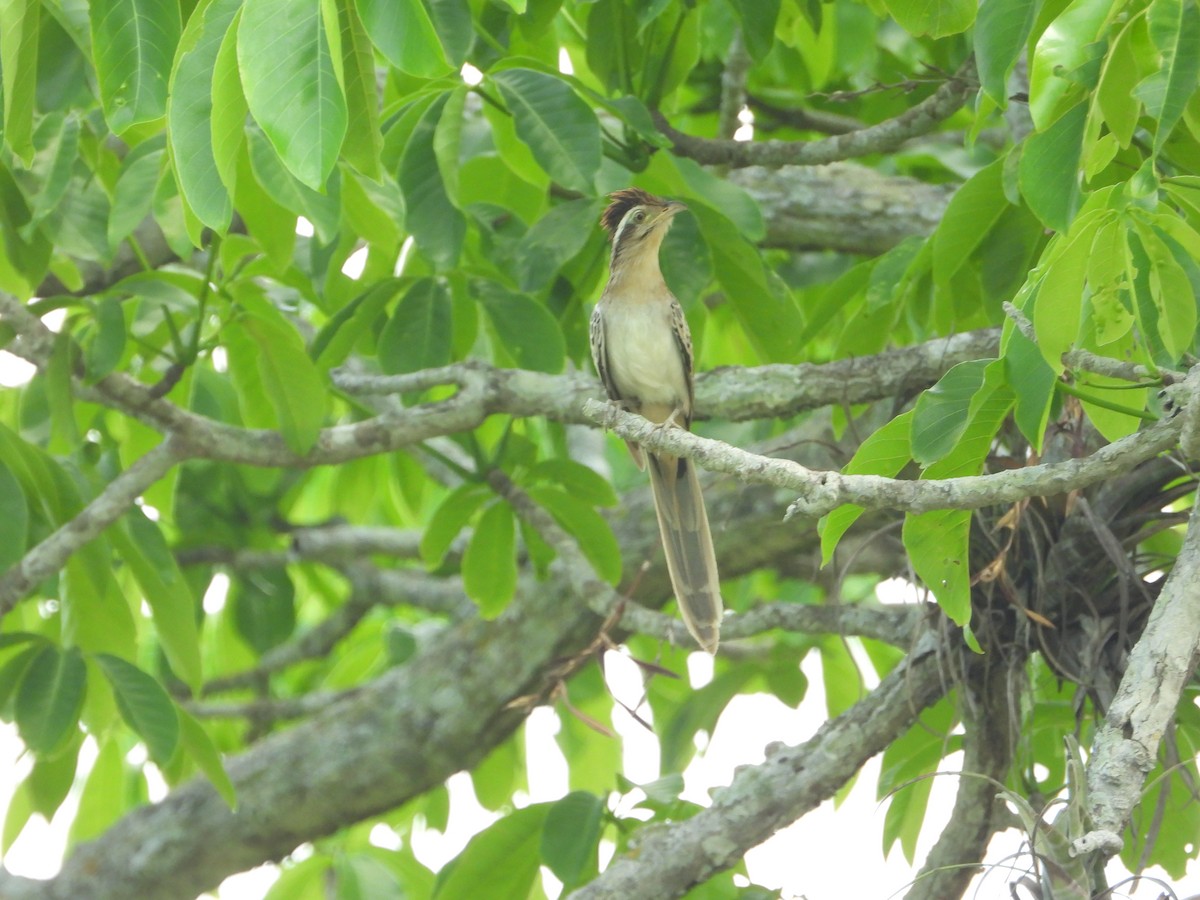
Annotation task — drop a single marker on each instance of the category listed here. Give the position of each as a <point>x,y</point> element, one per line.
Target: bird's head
<point>637,222</point>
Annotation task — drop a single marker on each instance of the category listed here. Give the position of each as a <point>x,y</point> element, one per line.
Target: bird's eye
<point>638,215</point>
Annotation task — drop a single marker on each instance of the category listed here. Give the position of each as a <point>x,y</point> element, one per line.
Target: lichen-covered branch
<point>117,498</point>
<point>1160,664</point>
<point>821,492</point>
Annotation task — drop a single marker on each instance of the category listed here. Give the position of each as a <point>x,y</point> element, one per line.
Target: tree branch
<point>42,561</point>
<point>1160,664</point>
<point>822,491</point>
<point>881,138</point>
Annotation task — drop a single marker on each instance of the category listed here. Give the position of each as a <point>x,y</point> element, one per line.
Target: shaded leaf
<point>144,706</point>
<point>559,128</point>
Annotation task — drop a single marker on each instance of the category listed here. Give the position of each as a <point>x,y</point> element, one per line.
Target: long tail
<point>688,545</point>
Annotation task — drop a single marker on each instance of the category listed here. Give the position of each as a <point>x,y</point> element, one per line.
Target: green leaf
<point>436,224</point>
<point>559,128</point>
<point>763,306</point>
<point>1000,35</point>
<point>103,797</point>
<point>448,520</point>
<point>455,28</point>
<point>940,416</point>
<point>52,777</point>
<point>1172,289</point>
<point>587,526</point>
<point>144,706</point>
<point>190,112</point>
<point>553,240</point>
<point>571,836</point>
<point>1049,169</point>
<point>105,344</point>
<point>140,543</point>
<point>339,335</point>
<point>504,856</point>
<point>203,751</point>
<point>134,44</point>
<point>936,18</point>
<point>1063,48</point>
<point>1033,381</point>
<point>264,607</point>
<point>364,142</point>
<point>20,28</point>
<point>304,880</point>
<point>938,542</point>
<point>496,777</point>
<point>133,196</point>
<point>1059,303</point>
<point>1117,103</point>
<point>50,698</point>
<point>1175,31</point>
<point>294,385</point>
<point>14,519</point>
<point>489,566</point>
<point>228,113</point>
<point>972,212</point>
<point>418,334</point>
<point>885,452</point>
<point>527,330</point>
<point>1146,304</point>
<point>293,84</point>
<point>403,32</point>
<point>757,18</point>
<point>579,481</point>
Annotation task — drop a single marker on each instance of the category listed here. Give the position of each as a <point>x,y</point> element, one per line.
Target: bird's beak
<point>670,209</point>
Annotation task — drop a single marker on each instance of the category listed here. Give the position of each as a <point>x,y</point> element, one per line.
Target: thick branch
<point>1160,664</point>
<point>881,138</point>
<point>843,206</point>
<point>762,799</point>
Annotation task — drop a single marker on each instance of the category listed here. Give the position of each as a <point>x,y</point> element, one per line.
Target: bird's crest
<point>621,202</point>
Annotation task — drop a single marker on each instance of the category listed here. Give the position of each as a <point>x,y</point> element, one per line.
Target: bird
<point>642,349</point>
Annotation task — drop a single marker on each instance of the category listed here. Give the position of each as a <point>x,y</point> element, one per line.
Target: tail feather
<point>687,541</point>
